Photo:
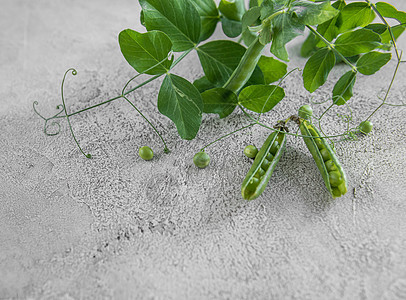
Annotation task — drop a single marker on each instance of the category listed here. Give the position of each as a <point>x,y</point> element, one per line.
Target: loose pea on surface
<point>146,153</point>
<point>365,127</point>
<point>251,151</point>
<point>201,159</point>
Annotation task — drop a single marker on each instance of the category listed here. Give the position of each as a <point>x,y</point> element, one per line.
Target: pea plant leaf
<point>209,17</point>
<point>261,98</point>
<point>272,68</point>
<point>342,91</point>
<point>232,10</point>
<point>144,50</point>
<point>356,14</point>
<point>378,28</point>
<point>231,28</point>
<point>372,62</point>
<point>269,7</point>
<point>311,13</point>
<point>219,101</point>
<point>181,102</point>
<point>220,58</point>
<point>249,19</point>
<point>317,68</point>
<point>285,28</point>
<point>309,45</point>
<point>179,19</point>
<point>388,11</point>
<point>329,29</point>
<point>203,84</point>
<point>356,42</point>
<point>397,30</point>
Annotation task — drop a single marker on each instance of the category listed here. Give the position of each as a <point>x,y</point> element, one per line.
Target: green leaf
<point>372,62</point>
<point>309,45</point>
<point>178,19</point>
<point>272,69</point>
<point>396,31</point>
<point>144,50</point>
<point>388,11</point>
<point>203,84</point>
<point>255,3</point>
<point>209,16</point>
<point>261,98</point>
<point>329,29</point>
<point>269,7</point>
<point>219,101</point>
<point>231,28</point>
<point>181,102</point>
<point>357,42</point>
<point>356,14</point>
<point>250,18</point>
<point>285,28</point>
<point>342,91</point>
<point>377,27</point>
<point>232,9</point>
<point>220,58</point>
<point>310,13</point>
<point>317,68</point>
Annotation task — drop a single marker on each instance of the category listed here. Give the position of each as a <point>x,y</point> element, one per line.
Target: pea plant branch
<point>242,74</point>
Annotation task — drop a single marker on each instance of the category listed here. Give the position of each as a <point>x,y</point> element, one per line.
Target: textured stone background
<point>118,227</point>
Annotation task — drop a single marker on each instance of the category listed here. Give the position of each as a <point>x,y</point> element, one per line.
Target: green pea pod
<point>263,166</point>
<point>326,160</point>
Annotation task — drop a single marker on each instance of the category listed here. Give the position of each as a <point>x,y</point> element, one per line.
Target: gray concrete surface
<point>116,227</point>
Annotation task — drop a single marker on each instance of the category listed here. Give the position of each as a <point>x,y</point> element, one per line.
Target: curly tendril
<point>74,72</point>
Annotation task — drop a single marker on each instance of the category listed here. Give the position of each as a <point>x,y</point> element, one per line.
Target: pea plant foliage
<point>244,69</point>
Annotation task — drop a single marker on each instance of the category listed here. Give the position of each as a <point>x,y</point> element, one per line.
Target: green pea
<point>325,154</point>
<point>330,166</point>
<point>365,127</point>
<point>251,151</point>
<point>342,187</point>
<point>261,171</point>
<point>305,111</point>
<point>319,143</point>
<point>146,153</point>
<point>269,157</point>
<point>201,159</point>
<point>313,132</point>
<point>335,178</point>
<point>265,164</point>
<point>335,192</point>
<point>274,148</point>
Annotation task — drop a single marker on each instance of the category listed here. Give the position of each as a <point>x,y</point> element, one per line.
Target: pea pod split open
<point>325,158</point>
<point>263,165</point>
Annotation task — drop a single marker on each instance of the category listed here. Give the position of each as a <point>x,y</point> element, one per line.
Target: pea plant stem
<point>387,26</point>
<point>182,56</point>
<point>389,88</point>
<point>227,135</point>
<point>331,46</point>
<point>146,119</point>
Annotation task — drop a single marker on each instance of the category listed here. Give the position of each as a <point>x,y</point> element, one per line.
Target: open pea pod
<point>263,166</point>
<point>325,158</point>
